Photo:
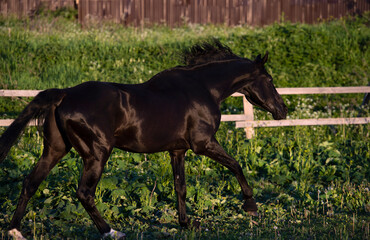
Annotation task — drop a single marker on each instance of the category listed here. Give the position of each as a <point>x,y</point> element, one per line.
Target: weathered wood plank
<point>303,122</point>
<point>233,118</point>
<point>252,12</point>
<point>318,90</point>
<point>7,122</point>
<point>18,93</point>
<point>323,90</point>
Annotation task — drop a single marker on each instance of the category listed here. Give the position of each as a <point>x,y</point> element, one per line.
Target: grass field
<point>309,182</point>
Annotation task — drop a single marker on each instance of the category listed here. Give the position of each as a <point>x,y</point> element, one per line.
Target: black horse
<point>176,110</point>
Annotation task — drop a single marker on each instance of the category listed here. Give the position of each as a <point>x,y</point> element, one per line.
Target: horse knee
<point>200,148</point>
<point>205,147</point>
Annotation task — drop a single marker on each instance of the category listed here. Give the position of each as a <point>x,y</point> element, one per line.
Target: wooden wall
<point>178,12</point>
<point>229,12</point>
<point>29,7</point>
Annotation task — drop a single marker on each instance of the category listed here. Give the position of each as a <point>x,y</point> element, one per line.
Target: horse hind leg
<point>55,148</point>
<point>86,194</point>
<point>30,185</point>
<point>95,153</point>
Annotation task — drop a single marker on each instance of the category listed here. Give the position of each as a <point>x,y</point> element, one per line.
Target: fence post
<point>248,112</point>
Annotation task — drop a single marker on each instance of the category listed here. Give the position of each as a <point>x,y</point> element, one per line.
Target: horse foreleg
<point>213,150</point>
<point>178,167</point>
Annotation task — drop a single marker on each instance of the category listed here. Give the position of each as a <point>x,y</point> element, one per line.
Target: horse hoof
<point>195,224</point>
<point>15,234</point>
<point>113,234</point>
<point>250,205</point>
<point>253,213</point>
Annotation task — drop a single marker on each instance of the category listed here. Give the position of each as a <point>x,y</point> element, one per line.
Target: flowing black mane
<point>207,52</point>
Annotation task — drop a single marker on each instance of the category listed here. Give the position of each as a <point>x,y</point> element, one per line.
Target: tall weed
<point>309,182</point>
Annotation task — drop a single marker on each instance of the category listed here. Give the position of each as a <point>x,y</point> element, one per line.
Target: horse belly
<point>150,139</point>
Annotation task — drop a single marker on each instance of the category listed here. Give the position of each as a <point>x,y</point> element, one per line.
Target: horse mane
<point>206,52</point>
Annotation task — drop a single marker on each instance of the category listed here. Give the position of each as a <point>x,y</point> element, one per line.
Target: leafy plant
<point>309,182</point>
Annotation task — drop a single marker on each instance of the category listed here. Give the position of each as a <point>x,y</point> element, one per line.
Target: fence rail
<point>247,120</point>
<point>18,93</point>
<point>303,122</point>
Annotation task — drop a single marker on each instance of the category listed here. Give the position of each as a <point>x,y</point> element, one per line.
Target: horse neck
<point>227,77</point>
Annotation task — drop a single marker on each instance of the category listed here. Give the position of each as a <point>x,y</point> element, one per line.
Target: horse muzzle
<point>280,113</point>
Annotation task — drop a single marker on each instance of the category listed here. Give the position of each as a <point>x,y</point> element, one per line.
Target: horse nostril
<point>281,113</point>
<point>285,110</point>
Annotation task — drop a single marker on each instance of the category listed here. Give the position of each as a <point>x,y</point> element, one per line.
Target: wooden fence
<point>228,12</point>
<point>30,7</point>
<point>178,12</point>
<point>247,120</point>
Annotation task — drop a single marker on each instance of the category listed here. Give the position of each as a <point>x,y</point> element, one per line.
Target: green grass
<point>43,53</point>
<point>309,182</point>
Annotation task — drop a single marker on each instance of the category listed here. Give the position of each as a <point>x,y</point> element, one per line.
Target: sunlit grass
<point>309,182</point>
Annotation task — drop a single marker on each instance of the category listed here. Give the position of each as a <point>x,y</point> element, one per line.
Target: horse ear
<point>261,61</point>
<point>264,59</point>
<point>258,59</point>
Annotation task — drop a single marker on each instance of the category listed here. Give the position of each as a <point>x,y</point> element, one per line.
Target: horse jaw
<point>279,111</point>
<point>16,235</point>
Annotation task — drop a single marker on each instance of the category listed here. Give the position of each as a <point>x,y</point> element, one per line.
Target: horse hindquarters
<point>37,108</point>
<point>60,134</point>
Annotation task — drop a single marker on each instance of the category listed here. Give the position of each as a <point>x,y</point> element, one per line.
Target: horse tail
<point>36,109</point>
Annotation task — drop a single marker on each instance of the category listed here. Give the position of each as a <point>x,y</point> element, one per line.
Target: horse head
<point>260,90</point>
